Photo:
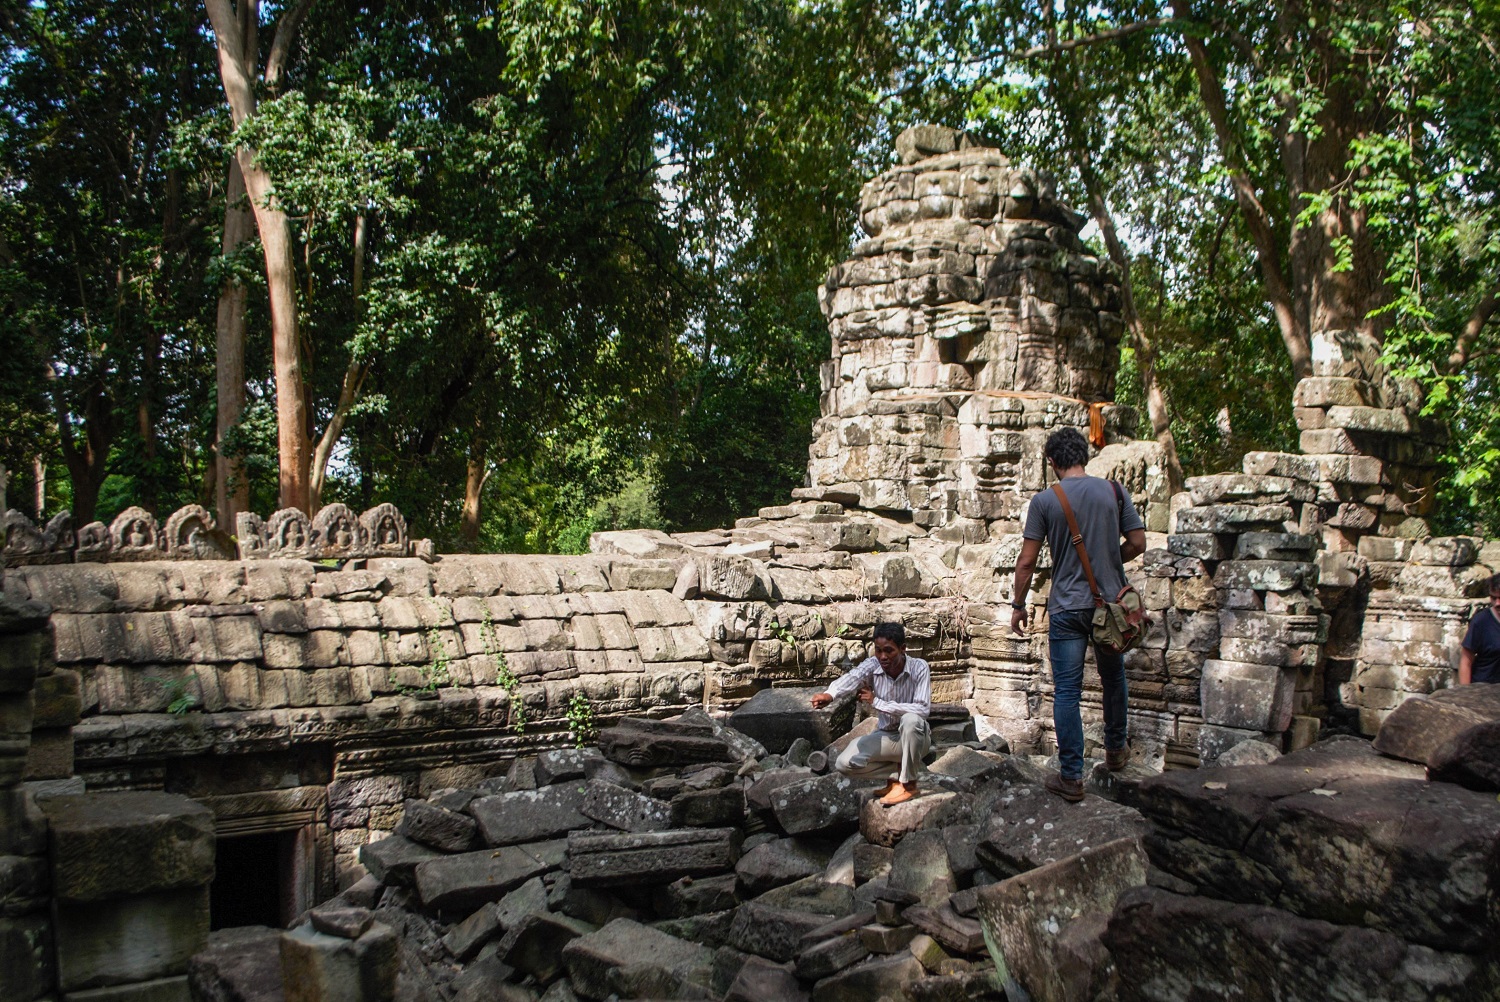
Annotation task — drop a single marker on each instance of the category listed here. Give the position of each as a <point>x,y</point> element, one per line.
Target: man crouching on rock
<point>900,689</point>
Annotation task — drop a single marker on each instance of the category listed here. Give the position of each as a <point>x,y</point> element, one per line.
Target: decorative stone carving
<point>337,533</point>
<point>93,543</point>
<point>135,535</point>
<point>26,544</point>
<point>385,531</point>
<point>289,535</point>
<point>187,533</point>
<point>250,533</point>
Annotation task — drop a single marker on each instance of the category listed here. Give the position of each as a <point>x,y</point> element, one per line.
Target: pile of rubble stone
<point>680,859</point>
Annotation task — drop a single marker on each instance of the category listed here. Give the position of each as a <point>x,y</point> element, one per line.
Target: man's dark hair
<point>1494,585</point>
<point>894,632</point>
<point>1067,448</point>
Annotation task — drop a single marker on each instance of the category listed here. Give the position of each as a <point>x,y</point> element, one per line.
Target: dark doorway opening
<point>252,880</point>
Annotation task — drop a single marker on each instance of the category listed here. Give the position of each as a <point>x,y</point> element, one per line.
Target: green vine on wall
<point>581,719</point>
<point>503,675</point>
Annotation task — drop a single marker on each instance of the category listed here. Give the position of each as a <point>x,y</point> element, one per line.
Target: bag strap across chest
<point>1077,536</point>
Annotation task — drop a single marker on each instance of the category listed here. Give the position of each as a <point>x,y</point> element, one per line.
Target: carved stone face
<point>341,534</point>
<point>291,535</point>
<point>138,536</point>
<point>388,534</point>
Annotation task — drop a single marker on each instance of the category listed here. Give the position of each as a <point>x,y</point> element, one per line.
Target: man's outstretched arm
<point>851,680</point>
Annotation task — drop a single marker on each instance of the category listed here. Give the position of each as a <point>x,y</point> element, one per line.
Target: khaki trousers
<point>878,754</point>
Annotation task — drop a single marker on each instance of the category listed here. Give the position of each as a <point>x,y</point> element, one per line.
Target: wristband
<point>1018,606</point>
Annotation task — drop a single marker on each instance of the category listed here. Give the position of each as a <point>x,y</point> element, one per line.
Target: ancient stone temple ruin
<point>513,776</point>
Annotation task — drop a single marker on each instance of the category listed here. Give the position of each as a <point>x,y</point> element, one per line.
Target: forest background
<point>534,269</point>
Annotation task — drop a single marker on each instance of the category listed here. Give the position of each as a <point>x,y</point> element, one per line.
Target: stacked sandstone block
<point>27,968</point>
<point>970,323</point>
<point>1422,595</point>
<point>1373,451</point>
<point>1263,682</point>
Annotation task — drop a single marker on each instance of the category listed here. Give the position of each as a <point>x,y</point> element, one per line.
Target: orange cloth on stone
<point>1096,425</point>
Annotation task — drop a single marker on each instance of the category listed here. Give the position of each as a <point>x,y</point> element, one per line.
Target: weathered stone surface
<point>645,743</point>
<point>777,717</point>
<point>779,862</point>
<point>1470,758</point>
<point>430,825</point>
<point>320,968</point>
<point>1421,724</point>
<point>1157,938</point>
<point>341,921</point>
<point>878,977</point>
<point>1029,827</point>
<point>530,815</point>
<point>812,894</point>
<point>603,859</point>
<point>826,804</point>
<point>1249,696</point>
<point>466,937</point>
<point>1029,918</point>
<point>534,944</point>
<point>920,867</point>
<point>881,825</point>
<point>107,845</point>
<point>831,955</point>
<point>524,900</point>
<point>712,808</point>
<point>393,861</point>
<point>624,809</point>
<point>469,879</point>
<point>1266,575</point>
<point>124,940</point>
<point>770,932</point>
<point>26,957</point>
<point>562,764</point>
<point>760,980</point>
<point>238,965</point>
<point>1233,518</point>
<point>590,958</point>
<point>688,896</point>
<point>954,931</point>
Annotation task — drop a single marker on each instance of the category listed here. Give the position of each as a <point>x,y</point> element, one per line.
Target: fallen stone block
<point>1471,758</point>
<point>317,967</point>
<point>885,826</point>
<point>823,804</point>
<point>1421,724</point>
<point>534,944</point>
<point>878,977</point>
<point>871,862</point>
<point>485,980</point>
<point>1156,937</point>
<point>590,958</point>
<point>760,981</point>
<point>469,879</point>
<point>121,941</point>
<point>600,859</point>
<point>777,717</point>
<point>643,744</point>
<point>529,898</point>
<point>466,937</point>
<point>624,809</point>
<point>433,826</point>
<point>1248,696</point>
<point>393,860</point>
<point>1030,919</point>
<point>237,965</point>
<point>715,808</point>
<point>814,895</point>
<point>689,896</point>
<point>1029,827</point>
<point>944,924</point>
<point>773,933</point>
<point>920,867</point>
<point>831,955</point>
<point>562,764</point>
<point>779,862</point>
<point>530,815</point>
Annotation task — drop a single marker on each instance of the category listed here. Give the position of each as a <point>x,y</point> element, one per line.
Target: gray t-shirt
<point>1103,518</point>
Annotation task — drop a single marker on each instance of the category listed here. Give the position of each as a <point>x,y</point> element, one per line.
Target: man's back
<point>1103,518</point>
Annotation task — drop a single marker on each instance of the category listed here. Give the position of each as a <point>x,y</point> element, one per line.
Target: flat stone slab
<point>436,827</point>
<point>624,809</point>
<point>770,932</point>
<point>1156,937</point>
<point>779,862</point>
<point>469,879</point>
<point>623,942</point>
<point>643,744</point>
<point>778,716</point>
<point>1029,827</point>
<point>828,804</point>
<point>394,859</point>
<point>881,825</point>
<point>603,859</point>
<point>1416,729</point>
<point>530,815</point>
<point>238,965</point>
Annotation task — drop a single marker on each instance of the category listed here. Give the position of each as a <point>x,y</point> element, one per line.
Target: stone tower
<point>970,323</point>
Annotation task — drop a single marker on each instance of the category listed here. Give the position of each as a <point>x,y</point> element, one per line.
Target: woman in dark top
<point>1479,661</point>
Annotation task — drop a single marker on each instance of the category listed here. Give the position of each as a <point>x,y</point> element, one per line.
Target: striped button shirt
<point>908,692</point>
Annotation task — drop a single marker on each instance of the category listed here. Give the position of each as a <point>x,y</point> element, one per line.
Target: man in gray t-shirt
<point>1105,515</point>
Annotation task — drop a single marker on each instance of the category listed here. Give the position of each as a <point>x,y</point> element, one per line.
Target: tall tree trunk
<point>41,489</point>
<point>86,461</point>
<point>232,489</point>
<point>234,31</point>
<point>4,483</point>
<point>354,377</point>
<point>477,474</point>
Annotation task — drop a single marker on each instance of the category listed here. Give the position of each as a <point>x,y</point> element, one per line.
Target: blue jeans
<point>1069,635</point>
